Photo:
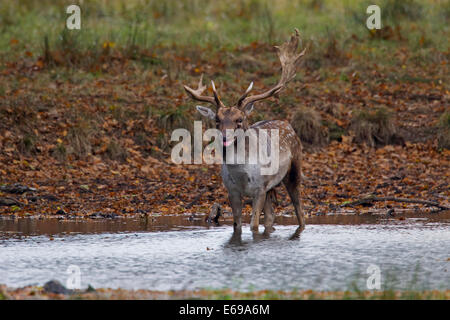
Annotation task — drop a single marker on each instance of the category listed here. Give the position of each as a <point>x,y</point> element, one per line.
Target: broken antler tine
<point>216,96</point>
<point>249,88</point>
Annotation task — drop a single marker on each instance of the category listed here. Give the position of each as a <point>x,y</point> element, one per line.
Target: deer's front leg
<point>257,207</point>
<point>269,215</point>
<point>236,207</point>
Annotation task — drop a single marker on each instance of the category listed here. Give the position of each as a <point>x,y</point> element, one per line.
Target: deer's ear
<point>248,109</point>
<point>206,112</point>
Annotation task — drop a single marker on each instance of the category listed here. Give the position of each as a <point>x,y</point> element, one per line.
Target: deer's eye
<point>239,120</point>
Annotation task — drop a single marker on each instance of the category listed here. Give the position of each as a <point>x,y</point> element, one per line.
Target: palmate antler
<point>289,60</point>
<point>196,94</point>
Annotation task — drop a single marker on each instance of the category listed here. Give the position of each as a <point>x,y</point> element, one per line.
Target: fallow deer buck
<point>244,179</point>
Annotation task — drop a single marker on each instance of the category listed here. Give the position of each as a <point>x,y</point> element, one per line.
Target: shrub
<point>78,138</point>
<point>375,128</point>
<point>307,123</point>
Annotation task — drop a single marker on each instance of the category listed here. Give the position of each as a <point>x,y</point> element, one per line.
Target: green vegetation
<point>31,27</point>
<point>2,295</point>
<point>318,295</point>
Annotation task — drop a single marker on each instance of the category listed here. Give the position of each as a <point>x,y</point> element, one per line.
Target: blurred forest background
<point>86,115</point>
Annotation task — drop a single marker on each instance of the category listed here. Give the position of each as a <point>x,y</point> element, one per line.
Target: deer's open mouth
<point>227,143</point>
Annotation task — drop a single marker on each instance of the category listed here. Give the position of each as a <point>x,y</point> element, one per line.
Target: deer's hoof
<point>297,233</point>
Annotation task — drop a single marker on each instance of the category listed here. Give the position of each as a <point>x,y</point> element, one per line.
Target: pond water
<point>333,253</point>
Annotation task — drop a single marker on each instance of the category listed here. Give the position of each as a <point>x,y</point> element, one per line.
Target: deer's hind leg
<point>292,182</point>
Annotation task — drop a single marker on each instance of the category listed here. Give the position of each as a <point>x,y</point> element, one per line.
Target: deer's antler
<point>289,60</point>
<point>197,94</point>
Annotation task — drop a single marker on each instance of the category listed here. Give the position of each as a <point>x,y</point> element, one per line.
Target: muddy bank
<point>32,226</point>
<point>38,293</point>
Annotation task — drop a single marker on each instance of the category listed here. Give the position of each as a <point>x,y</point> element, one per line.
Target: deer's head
<point>236,116</point>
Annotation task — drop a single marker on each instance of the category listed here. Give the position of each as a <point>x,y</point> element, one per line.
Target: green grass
<point>210,24</point>
<point>322,295</point>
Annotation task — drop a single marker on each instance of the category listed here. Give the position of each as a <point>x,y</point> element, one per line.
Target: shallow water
<point>411,253</point>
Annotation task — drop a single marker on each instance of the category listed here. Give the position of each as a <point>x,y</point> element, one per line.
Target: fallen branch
<point>371,199</point>
<point>16,188</point>
<point>7,201</point>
